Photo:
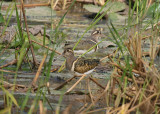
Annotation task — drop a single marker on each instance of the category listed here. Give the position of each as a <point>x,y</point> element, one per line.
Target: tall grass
<point>128,93</point>
<point>133,46</point>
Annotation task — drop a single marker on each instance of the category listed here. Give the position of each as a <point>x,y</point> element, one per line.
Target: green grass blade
<point>6,110</point>
<point>89,29</point>
<point>10,96</point>
<point>115,38</point>
<point>19,25</point>
<point>59,103</point>
<point>49,65</point>
<point>8,9</point>
<point>25,45</point>
<point>25,100</point>
<point>44,36</point>
<point>95,22</point>
<point>100,10</point>
<point>8,20</point>
<point>60,22</point>
<point>56,35</point>
<point>1,16</point>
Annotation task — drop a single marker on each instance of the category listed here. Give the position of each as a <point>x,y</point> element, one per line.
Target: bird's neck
<point>95,38</point>
<point>69,61</point>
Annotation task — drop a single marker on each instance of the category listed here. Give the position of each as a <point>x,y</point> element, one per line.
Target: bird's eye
<point>68,50</point>
<point>98,32</point>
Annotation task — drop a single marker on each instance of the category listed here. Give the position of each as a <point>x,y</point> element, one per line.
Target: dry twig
<point>30,42</point>
<point>39,71</point>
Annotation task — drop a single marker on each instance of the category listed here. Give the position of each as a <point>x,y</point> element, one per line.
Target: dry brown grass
<point>128,92</point>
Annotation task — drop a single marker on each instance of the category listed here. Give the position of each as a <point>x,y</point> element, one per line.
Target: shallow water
<point>73,26</point>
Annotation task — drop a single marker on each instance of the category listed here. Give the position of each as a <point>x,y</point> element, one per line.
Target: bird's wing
<point>84,65</point>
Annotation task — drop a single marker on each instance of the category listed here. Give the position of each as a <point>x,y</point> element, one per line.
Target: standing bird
<point>85,45</point>
<point>79,66</point>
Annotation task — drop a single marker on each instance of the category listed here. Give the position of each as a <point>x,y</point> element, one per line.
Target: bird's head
<point>97,34</point>
<point>68,53</point>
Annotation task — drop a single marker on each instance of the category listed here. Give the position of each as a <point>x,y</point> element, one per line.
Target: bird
<point>79,65</point>
<point>84,45</point>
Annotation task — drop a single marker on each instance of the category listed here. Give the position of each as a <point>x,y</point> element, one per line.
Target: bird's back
<point>84,65</point>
